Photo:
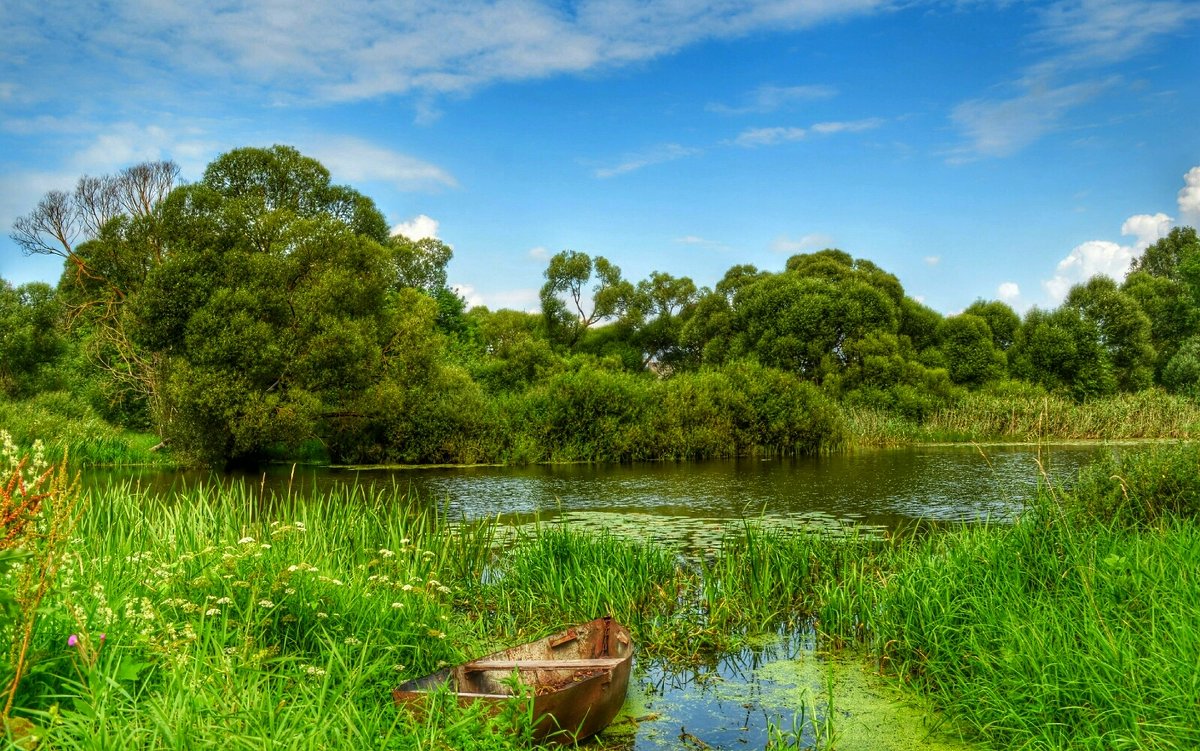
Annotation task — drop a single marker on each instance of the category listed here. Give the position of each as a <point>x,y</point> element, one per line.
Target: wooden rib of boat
<point>577,678</point>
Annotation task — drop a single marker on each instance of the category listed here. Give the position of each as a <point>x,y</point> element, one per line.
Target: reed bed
<point>1028,418</point>
<point>1146,414</point>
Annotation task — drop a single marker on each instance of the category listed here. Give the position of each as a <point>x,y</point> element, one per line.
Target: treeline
<point>266,312</point>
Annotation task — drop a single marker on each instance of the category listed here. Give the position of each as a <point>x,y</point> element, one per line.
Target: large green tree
<point>1122,330</point>
<point>282,311</point>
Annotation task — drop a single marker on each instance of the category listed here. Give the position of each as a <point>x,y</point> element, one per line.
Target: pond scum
<point>214,620</point>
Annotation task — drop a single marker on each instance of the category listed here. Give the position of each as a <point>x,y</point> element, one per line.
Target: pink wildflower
<point>72,640</point>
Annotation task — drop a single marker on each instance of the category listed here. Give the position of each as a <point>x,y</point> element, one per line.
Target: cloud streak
<point>753,137</point>
<point>658,155</point>
<point>768,98</point>
<point>359,49</point>
<point>1077,38</point>
<point>355,160</point>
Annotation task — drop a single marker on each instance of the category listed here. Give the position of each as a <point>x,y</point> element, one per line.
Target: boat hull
<point>578,680</point>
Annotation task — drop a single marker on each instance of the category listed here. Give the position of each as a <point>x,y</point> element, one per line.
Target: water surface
<point>877,488</point>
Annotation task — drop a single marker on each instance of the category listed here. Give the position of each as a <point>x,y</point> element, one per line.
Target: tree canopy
<point>265,308</point>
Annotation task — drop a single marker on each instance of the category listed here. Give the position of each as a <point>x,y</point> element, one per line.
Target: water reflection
<point>880,488</point>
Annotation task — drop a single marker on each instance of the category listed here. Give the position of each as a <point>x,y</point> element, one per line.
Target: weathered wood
<point>576,680</point>
<point>598,663</point>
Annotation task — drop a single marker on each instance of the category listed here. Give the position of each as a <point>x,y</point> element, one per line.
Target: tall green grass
<point>67,426</point>
<point>1146,414</point>
<point>1025,417</point>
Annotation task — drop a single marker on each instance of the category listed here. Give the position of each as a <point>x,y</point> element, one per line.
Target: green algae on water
<point>734,703</point>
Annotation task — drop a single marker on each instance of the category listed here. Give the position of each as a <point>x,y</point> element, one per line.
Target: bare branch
<point>96,202</point>
<point>50,229</point>
<point>142,186</point>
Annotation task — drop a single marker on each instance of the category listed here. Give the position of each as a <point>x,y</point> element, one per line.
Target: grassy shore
<point>981,416</point>
<point>216,620</point>
<point>66,426</point>
<point>69,427</point>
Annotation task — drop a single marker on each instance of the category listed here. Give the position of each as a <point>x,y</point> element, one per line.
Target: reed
<point>1025,417</point>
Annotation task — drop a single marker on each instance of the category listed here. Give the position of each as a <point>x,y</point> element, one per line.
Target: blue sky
<point>997,150</point>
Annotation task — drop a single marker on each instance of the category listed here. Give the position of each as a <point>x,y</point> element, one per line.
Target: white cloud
<point>355,160</point>
<point>768,136</point>
<point>539,253</point>
<point>359,49</point>
<point>419,227</point>
<point>701,242</point>
<point>1009,292</point>
<point>658,155</point>
<point>1074,36</point>
<point>805,244</point>
<point>1106,257</point>
<point>1085,261</point>
<point>752,137</point>
<point>932,260</point>
<point>848,126</point>
<point>1189,196</point>
<point>1091,32</point>
<point>1146,229</point>
<point>767,98</point>
<point>523,299</point>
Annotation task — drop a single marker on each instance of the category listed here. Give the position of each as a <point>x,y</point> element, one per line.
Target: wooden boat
<point>577,678</point>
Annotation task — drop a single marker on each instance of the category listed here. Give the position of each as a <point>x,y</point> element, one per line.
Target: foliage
<point>31,339</point>
<point>1141,488</point>
<point>972,357</point>
<point>39,508</point>
<point>265,312</point>
<point>72,427</point>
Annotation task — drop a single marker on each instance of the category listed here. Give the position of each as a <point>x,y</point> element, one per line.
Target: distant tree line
<point>264,309</point>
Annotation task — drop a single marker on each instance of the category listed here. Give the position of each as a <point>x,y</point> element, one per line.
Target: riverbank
<point>205,617</point>
<point>980,417</point>
<point>67,427</point>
